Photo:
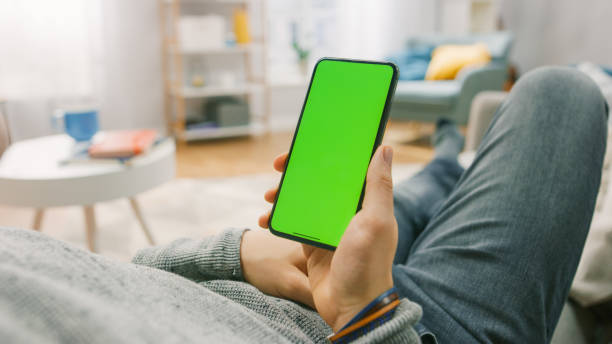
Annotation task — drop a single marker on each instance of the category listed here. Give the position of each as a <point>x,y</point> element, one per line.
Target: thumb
<point>379,185</point>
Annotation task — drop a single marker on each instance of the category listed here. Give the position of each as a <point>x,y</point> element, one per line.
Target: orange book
<point>122,144</point>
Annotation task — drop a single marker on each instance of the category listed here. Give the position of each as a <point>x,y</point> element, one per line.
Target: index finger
<point>279,162</point>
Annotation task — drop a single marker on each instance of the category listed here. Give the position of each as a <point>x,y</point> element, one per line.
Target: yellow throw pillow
<point>448,60</point>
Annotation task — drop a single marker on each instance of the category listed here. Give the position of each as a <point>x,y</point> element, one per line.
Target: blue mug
<point>81,125</point>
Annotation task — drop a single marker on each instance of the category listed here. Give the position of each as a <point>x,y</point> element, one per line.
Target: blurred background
<point>181,105</point>
<point>126,123</point>
<point>104,102</point>
<point>113,51</point>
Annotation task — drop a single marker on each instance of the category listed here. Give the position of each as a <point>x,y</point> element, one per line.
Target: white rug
<point>181,208</point>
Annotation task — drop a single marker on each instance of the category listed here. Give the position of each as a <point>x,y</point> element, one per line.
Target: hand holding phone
<point>344,281</point>
<point>318,201</point>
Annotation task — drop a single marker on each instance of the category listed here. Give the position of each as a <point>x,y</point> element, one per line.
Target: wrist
<point>346,316</point>
<point>373,315</point>
<point>243,254</point>
<point>347,312</point>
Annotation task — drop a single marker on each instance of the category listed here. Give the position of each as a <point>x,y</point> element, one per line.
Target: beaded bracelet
<point>376,313</point>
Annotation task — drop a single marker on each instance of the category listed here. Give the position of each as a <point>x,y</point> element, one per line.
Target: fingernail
<point>388,154</point>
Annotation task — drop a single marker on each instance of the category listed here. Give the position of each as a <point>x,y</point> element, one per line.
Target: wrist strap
<point>364,325</point>
<point>381,301</point>
<point>376,313</point>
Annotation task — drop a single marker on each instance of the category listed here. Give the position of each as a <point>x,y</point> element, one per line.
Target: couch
<point>426,101</point>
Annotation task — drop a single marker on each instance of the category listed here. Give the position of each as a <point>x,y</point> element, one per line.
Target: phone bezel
<point>379,135</point>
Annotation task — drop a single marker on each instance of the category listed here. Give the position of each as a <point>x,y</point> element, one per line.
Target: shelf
<point>288,80</point>
<point>238,49</point>
<point>218,133</point>
<point>222,2</point>
<point>288,83</point>
<point>213,91</point>
<point>181,96</point>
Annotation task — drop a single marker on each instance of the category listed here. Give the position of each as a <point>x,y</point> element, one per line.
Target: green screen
<point>331,151</point>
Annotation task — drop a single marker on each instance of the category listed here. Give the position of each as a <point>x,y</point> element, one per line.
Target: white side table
<point>33,174</point>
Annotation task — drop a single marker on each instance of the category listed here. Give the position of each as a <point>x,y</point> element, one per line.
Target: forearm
<point>214,257</point>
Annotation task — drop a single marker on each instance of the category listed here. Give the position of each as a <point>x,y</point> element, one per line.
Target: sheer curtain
<point>558,32</point>
<point>362,29</point>
<point>49,51</point>
<point>342,28</point>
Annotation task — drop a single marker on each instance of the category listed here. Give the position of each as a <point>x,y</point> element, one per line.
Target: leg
<point>38,217</point>
<point>416,199</point>
<point>140,218</point>
<point>90,226</point>
<point>496,261</point>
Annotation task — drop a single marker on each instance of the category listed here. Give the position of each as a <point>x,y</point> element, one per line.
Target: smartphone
<point>342,123</point>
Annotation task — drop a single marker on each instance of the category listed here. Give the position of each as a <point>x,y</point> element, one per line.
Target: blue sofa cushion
<point>413,62</point>
<point>439,93</point>
<point>412,69</point>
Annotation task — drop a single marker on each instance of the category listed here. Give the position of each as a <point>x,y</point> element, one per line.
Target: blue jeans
<point>490,252</point>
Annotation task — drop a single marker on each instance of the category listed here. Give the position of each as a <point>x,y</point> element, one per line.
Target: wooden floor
<point>237,156</point>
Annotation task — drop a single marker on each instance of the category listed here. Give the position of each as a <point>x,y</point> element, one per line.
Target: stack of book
<point>122,144</point>
<point>113,147</point>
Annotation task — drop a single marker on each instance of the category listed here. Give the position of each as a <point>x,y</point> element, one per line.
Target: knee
<point>564,97</point>
<point>564,88</point>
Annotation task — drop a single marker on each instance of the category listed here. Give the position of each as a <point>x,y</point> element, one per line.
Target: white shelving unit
<point>238,49</point>
<point>214,91</point>
<point>177,91</point>
<point>217,133</point>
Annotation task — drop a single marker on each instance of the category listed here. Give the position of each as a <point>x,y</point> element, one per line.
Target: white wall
<point>559,31</point>
<point>131,93</point>
<point>123,50</point>
<point>46,55</point>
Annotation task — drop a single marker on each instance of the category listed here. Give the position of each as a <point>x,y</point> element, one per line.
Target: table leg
<point>140,218</point>
<point>90,223</point>
<point>38,217</point>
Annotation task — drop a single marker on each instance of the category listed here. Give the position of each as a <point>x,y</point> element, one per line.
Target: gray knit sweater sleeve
<point>53,292</point>
<point>218,258</point>
<point>214,257</point>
